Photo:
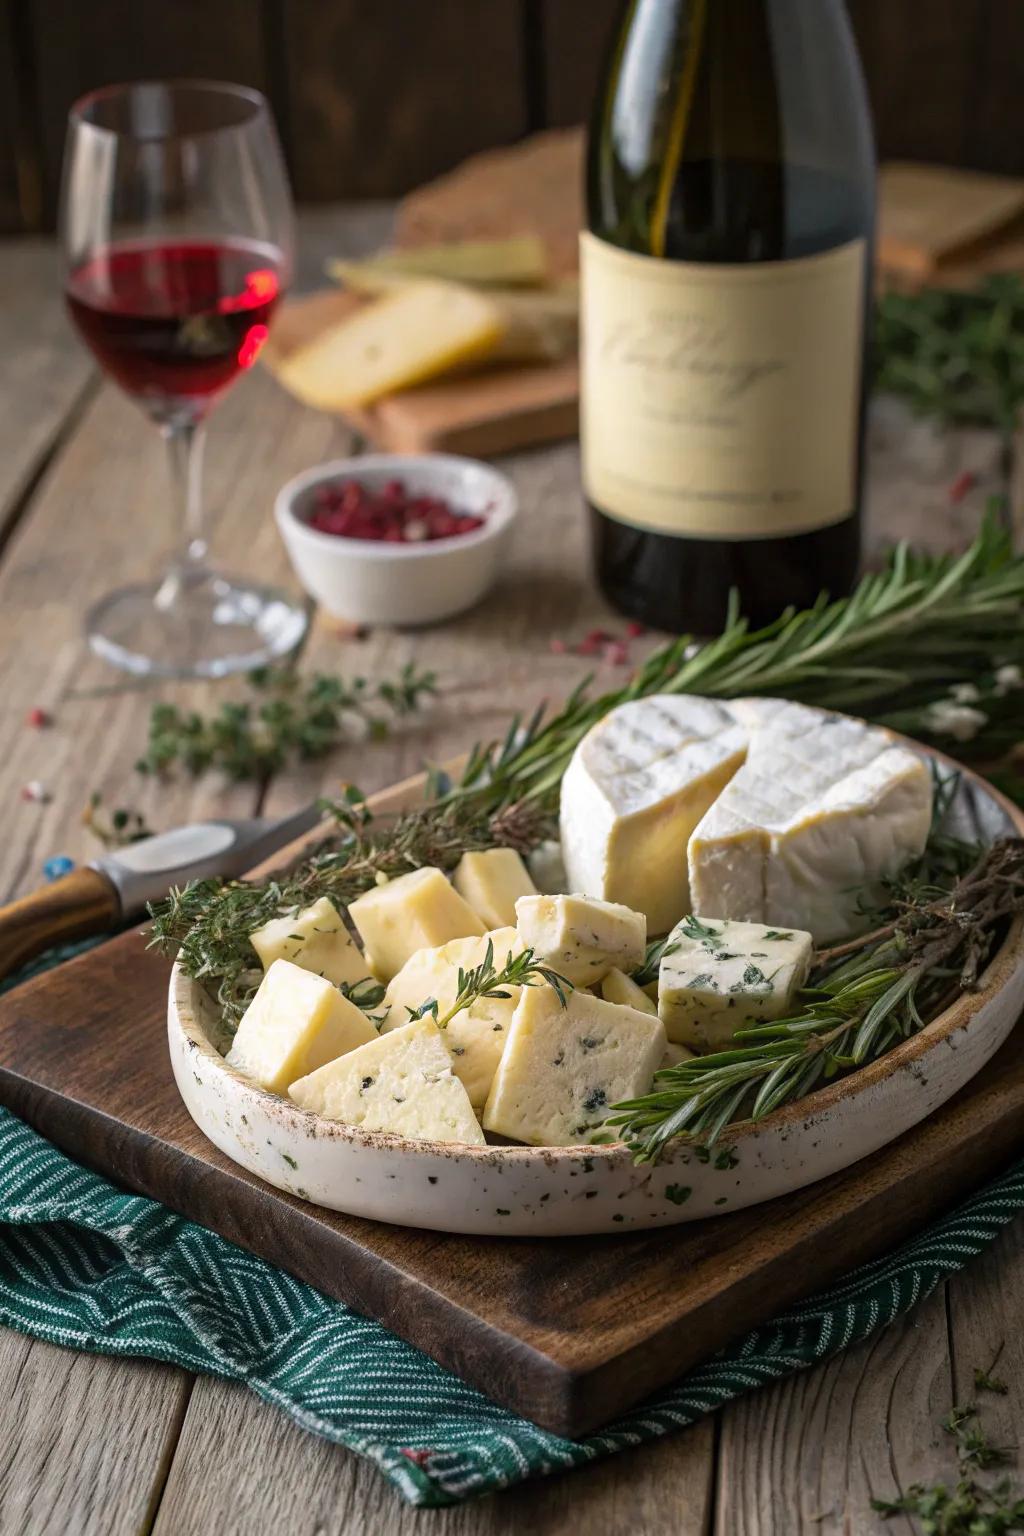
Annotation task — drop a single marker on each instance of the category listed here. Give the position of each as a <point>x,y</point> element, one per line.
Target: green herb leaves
<point>484,980</point>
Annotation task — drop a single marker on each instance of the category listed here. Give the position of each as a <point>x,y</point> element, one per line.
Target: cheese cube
<point>674,1054</point>
<point>476,1036</point>
<point>724,976</point>
<point>617,987</point>
<point>417,911</point>
<point>294,1024</point>
<point>401,1082</point>
<point>492,882</point>
<point>315,938</point>
<point>580,937</point>
<point>563,1068</point>
<point>408,335</point>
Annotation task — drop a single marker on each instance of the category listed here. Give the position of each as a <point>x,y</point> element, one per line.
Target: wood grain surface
<point>85,1442</point>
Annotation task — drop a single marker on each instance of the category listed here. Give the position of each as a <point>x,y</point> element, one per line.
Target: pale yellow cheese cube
<point>402,1081</point>
<point>675,1054</point>
<point>564,1067</point>
<point>475,1037</point>
<point>718,976</point>
<point>410,334</point>
<point>315,938</point>
<point>492,881</point>
<point>617,987</point>
<point>294,1024</point>
<point>581,937</point>
<point>416,911</point>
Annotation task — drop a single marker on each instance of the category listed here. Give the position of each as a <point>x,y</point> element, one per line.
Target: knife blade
<point>117,887</point>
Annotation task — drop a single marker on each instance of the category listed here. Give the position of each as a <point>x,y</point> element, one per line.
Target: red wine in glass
<point>175,323</point>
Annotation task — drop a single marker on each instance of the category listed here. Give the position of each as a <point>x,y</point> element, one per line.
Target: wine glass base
<point>197,625</point>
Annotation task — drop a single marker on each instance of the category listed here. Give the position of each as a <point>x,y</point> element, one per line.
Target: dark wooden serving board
<point>567,1332</point>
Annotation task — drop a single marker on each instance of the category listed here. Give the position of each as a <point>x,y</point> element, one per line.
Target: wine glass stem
<point>185,440</point>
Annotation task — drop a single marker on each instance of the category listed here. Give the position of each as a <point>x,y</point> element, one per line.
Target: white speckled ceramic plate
<point>513,1191</point>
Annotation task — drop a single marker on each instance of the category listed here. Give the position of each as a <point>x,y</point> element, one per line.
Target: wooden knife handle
<point>76,905</point>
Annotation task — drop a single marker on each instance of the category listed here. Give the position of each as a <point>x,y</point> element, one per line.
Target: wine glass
<point>177,237</point>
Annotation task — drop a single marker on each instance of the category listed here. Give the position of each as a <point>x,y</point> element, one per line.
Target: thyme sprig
<point>863,997</point>
<point>208,922</point>
<point>288,716</point>
<point>485,980</point>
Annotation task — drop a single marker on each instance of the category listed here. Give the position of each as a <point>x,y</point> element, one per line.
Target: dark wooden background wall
<point>375,96</point>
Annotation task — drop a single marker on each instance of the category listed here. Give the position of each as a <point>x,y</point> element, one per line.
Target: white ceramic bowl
<point>367,582</point>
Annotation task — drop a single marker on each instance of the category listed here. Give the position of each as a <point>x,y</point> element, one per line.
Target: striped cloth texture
<point>88,1266</point>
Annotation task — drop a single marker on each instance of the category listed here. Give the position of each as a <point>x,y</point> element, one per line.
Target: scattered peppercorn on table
<point>94,1443</point>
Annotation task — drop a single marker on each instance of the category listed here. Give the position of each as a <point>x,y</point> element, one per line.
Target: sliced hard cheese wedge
<point>637,785</point>
<point>718,977</point>
<point>476,1036</point>
<point>563,1068</point>
<point>294,1024</point>
<point>315,938</point>
<point>417,911</point>
<point>409,335</point>
<point>617,987</point>
<point>821,812</point>
<point>401,1082</point>
<point>581,938</point>
<point>492,882</point>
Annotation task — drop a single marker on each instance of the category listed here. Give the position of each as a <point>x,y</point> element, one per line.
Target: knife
<point>116,888</point>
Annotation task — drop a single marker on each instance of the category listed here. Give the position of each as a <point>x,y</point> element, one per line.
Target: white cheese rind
<point>718,977</point>
<point>416,911</point>
<point>637,785</point>
<point>296,1022</point>
<point>581,937</point>
<point>476,1036</point>
<point>401,1082</point>
<point>823,810</point>
<point>563,1068</point>
<point>315,938</point>
<point>492,881</point>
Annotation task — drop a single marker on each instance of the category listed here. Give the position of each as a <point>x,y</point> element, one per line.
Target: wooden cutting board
<point>567,1332</point>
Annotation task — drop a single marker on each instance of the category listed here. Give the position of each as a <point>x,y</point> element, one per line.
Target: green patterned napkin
<point>85,1265</point>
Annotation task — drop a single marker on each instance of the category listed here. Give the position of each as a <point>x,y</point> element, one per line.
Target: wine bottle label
<point>721,401</point>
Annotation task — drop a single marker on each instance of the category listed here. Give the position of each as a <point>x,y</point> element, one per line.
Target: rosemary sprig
<point>521,970</point>
<point>288,716</point>
<point>864,996</point>
<point>208,922</point>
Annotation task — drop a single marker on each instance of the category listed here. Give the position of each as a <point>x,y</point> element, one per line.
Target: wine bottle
<point>725,294</point>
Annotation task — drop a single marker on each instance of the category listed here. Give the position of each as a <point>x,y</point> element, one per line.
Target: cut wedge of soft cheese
<point>580,937</point>
<point>315,938</point>
<point>563,1068</point>
<point>637,785</point>
<point>416,911</point>
<point>718,977</point>
<point>476,1036</point>
<point>406,336</point>
<point>492,881</point>
<point>296,1022</point>
<point>823,809</point>
<point>617,987</point>
<point>401,1082</point>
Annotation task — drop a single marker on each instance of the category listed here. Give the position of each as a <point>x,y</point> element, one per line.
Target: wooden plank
<point>133,40</point>
<point>231,1441</point>
<point>985,1307</point>
<point>823,1443</point>
<point>85,1440</point>
<point>380,101</point>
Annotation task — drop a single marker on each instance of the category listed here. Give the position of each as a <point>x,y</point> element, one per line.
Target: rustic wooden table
<point>89,1444</point>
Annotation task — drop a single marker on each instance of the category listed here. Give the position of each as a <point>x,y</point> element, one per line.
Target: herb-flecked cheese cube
<point>476,1036</point>
<point>315,938</point>
<point>723,976</point>
<point>492,881</point>
<point>564,1067</point>
<point>674,1054</point>
<point>294,1024</point>
<point>402,1081</point>
<point>617,987</point>
<point>581,937</point>
<point>417,911</point>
